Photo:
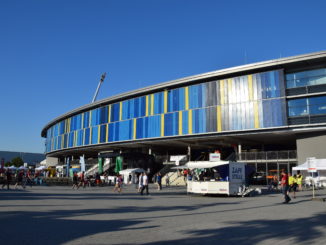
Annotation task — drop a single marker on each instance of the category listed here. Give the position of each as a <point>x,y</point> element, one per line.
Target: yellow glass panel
<point>219,119</point>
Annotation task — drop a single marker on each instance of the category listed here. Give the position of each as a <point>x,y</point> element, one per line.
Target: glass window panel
<point>306,78</point>
<point>230,117</point>
<point>261,174</point>
<point>318,80</point>
<point>95,135</point>
<point>181,99</point>
<point>86,119</point>
<point>317,100</point>
<point>317,105</point>
<point>298,111</point>
<point>94,120</point>
<point>115,112</point>
<point>87,134</point>
<point>297,102</point>
<point>298,107</point>
<point>103,133</point>
<point>158,103</point>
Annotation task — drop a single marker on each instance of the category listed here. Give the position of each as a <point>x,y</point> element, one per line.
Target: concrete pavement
<point>60,215</point>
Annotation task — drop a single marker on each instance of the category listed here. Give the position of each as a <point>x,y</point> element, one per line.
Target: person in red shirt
<point>285,187</point>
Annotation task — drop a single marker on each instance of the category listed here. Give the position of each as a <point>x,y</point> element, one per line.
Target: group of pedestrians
<point>290,184</point>
<point>21,178</point>
<point>141,183</point>
<point>80,180</point>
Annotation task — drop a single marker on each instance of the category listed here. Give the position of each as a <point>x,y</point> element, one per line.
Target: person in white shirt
<point>144,184</point>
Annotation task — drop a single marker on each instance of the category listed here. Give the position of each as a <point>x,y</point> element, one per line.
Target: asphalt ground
<point>60,215</point>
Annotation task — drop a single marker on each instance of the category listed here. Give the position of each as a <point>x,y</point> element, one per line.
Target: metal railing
<point>267,155</point>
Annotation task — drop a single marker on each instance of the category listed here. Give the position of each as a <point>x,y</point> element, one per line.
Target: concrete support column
<point>189,153</point>
<point>239,151</point>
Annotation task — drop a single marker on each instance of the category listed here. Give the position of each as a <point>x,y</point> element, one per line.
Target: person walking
<point>136,181</point>
<point>299,181</point>
<point>98,179</point>
<point>144,184</point>
<point>167,180</point>
<point>291,184</point>
<point>19,179</point>
<point>294,185</point>
<point>140,182</point>
<point>75,181</point>
<point>285,187</point>
<point>118,184</point>
<point>82,180</point>
<point>159,181</point>
<point>29,179</point>
<point>273,184</point>
<point>8,179</point>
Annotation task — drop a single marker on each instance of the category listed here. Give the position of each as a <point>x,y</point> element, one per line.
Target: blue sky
<point>52,53</point>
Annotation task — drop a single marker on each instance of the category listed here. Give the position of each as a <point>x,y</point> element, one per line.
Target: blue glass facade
<point>252,101</point>
<point>307,106</point>
<point>306,78</point>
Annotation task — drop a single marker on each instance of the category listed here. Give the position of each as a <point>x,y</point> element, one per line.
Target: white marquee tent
<point>313,165</point>
<point>319,164</point>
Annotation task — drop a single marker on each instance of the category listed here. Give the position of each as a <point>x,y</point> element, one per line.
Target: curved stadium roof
<point>288,63</point>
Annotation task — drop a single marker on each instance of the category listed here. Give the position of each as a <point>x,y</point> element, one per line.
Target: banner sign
<point>177,158</point>
<point>214,157</point>
<point>312,165</point>
<point>100,165</point>
<point>82,163</point>
<point>237,172</point>
<point>118,164</point>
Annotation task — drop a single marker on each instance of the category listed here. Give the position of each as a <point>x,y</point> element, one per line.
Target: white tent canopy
<point>201,164</point>
<point>49,161</point>
<point>40,168</point>
<point>43,163</point>
<point>320,164</point>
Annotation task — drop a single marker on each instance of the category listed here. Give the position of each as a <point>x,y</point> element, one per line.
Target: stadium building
<point>270,114</point>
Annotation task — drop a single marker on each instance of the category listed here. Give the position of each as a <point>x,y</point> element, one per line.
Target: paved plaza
<point>60,215</point>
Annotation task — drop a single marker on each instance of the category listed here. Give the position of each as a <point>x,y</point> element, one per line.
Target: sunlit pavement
<point>60,215</point>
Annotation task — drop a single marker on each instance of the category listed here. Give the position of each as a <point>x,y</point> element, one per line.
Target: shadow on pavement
<point>56,227</point>
<point>301,230</point>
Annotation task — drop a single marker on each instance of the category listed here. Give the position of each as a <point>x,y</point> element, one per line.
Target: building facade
<point>269,106</point>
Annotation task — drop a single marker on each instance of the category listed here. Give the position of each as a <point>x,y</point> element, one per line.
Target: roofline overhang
<point>223,73</point>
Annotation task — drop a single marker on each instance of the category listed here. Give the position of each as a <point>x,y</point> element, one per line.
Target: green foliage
<point>7,164</point>
<point>17,162</point>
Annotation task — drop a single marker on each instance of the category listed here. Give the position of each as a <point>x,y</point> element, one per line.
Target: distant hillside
<point>31,158</point>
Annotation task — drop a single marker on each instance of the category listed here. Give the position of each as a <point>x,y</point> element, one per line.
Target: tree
<point>17,162</point>
<point>7,164</point>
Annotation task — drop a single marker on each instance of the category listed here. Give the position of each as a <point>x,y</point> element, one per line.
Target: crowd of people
<point>290,184</point>
<point>20,178</point>
<point>140,181</point>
